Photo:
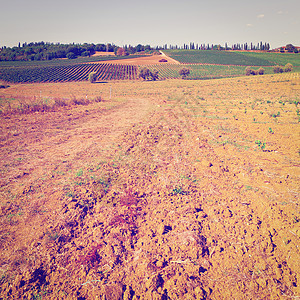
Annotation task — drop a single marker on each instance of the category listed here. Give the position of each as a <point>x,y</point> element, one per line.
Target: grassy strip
<point>64,62</point>
<point>22,105</point>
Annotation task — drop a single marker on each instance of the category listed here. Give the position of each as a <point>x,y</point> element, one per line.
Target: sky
<point>152,22</point>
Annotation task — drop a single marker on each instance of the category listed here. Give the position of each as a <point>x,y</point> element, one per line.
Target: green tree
<point>146,74</point>
<point>71,55</point>
<point>154,75</point>
<point>261,71</point>
<point>277,69</point>
<point>288,67</point>
<point>248,71</point>
<point>92,77</point>
<point>290,48</point>
<point>184,72</point>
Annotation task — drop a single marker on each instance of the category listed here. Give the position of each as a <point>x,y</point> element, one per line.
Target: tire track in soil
<point>76,138</point>
<point>35,146</point>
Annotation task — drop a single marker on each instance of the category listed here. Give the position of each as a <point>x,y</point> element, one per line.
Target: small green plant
<point>178,190</point>
<point>79,173</point>
<point>270,130</point>
<point>275,115</point>
<point>260,144</point>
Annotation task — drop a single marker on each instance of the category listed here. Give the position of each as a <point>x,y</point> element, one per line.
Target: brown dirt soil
<point>171,190</point>
<point>99,53</point>
<point>140,61</point>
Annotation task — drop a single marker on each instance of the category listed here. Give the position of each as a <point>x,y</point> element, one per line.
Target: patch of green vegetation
<point>217,57</point>
<point>274,58</point>
<point>260,144</point>
<point>179,190</point>
<point>79,173</point>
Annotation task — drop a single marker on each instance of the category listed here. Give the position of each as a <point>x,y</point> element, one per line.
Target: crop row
<point>198,71</point>
<point>233,58</point>
<point>78,72</point>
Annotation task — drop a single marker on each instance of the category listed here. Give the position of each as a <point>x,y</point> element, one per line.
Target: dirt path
<point>34,146</point>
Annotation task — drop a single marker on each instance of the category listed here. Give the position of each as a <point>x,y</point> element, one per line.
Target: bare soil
<point>100,53</point>
<point>169,190</point>
<point>140,61</point>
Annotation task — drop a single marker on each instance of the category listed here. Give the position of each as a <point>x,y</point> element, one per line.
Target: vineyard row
<point>78,72</point>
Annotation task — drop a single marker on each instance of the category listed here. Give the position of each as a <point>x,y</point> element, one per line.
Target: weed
<point>270,130</point>
<point>260,144</point>
<point>179,190</point>
<point>79,173</point>
<point>275,115</point>
<point>53,236</point>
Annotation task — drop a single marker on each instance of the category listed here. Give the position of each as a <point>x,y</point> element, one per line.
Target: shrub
<point>184,72</point>
<point>71,55</point>
<point>154,75</point>
<point>248,71</point>
<point>146,74</point>
<point>92,77</point>
<point>277,69</point>
<point>288,67</point>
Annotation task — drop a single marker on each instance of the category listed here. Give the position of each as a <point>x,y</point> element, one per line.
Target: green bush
<point>278,69</point>
<point>288,67</point>
<point>184,72</point>
<point>71,55</point>
<point>92,77</point>
<point>146,74</point>
<point>248,71</point>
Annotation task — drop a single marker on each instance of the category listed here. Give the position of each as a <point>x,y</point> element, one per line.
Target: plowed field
<point>166,190</point>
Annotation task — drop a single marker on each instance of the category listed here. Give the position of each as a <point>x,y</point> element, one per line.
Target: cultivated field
<point>204,64</point>
<point>164,190</point>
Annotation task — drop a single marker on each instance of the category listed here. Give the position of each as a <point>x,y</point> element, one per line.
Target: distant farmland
<point>233,58</point>
<point>203,64</point>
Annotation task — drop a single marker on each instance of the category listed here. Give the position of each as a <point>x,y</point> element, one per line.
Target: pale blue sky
<point>154,22</point>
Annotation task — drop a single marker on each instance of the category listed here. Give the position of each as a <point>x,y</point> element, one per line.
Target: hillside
<point>163,190</point>
<point>243,58</point>
<point>202,64</point>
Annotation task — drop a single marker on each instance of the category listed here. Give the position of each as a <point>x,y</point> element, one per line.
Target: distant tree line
<point>48,51</point>
<point>238,46</point>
